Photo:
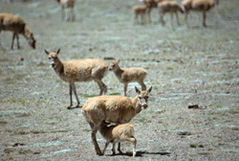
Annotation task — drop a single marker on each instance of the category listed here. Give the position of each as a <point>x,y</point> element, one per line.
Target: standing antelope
<point>150,5</point>
<point>69,6</point>
<point>79,71</point>
<point>139,11</point>
<point>171,7</point>
<point>16,24</point>
<point>198,5</point>
<point>128,75</point>
<point>113,109</point>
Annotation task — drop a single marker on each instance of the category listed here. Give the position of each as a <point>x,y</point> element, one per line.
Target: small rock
<point>182,132</point>
<point>109,58</point>
<point>193,106</point>
<point>18,144</point>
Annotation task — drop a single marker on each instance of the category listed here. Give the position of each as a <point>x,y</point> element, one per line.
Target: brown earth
<point>196,66</point>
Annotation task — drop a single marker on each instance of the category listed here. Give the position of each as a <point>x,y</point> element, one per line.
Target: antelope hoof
<point>70,107</point>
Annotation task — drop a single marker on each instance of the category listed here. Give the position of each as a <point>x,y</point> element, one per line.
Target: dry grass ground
<point>186,66</point>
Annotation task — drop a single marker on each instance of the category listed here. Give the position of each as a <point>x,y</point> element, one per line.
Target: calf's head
<point>114,65</point>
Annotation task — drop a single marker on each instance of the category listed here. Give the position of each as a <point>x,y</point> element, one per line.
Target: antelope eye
<point>146,97</point>
<point>49,58</point>
<point>140,97</point>
<point>113,65</point>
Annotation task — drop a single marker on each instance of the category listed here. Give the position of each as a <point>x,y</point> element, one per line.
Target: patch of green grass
<point>41,64</point>
<point>25,151</point>
<point>24,115</point>
<point>43,132</point>
<point>3,122</point>
<point>19,101</point>
<point>86,130</point>
<point>89,96</point>
<point>9,150</point>
<point>38,132</point>
<point>114,94</point>
<point>4,60</point>
<point>204,153</point>
<point>169,68</point>
<point>234,110</point>
<point>8,80</point>
<point>160,112</point>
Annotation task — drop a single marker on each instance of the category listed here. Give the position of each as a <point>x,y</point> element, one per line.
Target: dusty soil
<point>195,66</point>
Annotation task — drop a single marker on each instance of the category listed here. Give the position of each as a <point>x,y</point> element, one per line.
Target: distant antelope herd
<point>172,7</point>
<point>104,110</point>
<point>17,25</point>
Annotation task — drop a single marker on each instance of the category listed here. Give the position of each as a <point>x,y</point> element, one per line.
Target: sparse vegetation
<point>197,66</point>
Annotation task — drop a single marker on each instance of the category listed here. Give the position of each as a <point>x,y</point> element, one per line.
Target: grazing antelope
<point>198,5</point>
<point>113,109</point>
<point>116,134</point>
<point>69,6</point>
<point>79,71</point>
<point>16,24</point>
<point>128,75</point>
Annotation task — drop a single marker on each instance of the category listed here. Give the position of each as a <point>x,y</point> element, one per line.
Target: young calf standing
<point>79,71</point>
<point>128,75</point>
<point>116,134</point>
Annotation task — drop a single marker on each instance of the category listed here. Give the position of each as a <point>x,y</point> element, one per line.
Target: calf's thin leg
<point>62,13</point>
<point>70,93</point>
<point>13,38</point>
<point>171,15</point>
<point>204,19</point>
<point>186,18</point>
<point>125,89</point>
<point>72,14</point>
<point>18,46</point>
<point>133,141</point>
<point>176,14</point>
<point>106,145</point>
<point>77,99</point>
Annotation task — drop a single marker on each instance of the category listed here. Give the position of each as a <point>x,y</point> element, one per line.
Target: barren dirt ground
<point>194,66</point>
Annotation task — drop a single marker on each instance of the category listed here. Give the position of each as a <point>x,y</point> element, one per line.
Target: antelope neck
<point>136,104</point>
<point>59,67</point>
<point>118,71</point>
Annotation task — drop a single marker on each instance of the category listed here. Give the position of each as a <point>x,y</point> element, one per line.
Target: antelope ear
<point>118,61</point>
<point>47,52</point>
<point>137,90</point>
<point>149,90</point>
<point>58,51</point>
